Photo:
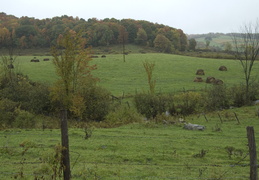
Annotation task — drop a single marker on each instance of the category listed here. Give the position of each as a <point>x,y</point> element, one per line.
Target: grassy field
<point>218,41</point>
<point>137,151</point>
<point>145,150</point>
<point>172,72</point>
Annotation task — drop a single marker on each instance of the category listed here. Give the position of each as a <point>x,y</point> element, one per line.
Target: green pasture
<point>142,151</point>
<point>172,72</point>
<point>218,41</point>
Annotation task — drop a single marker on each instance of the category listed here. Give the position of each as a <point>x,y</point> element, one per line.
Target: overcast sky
<point>192,16</point>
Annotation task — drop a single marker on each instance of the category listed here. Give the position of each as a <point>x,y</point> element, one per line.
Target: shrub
<point>33,97</point>
<point>23,119</point>
<point>122,116</point>
<point>7,108</point>
<point>187,102</point>
<point>38,99</point>
<point>97,102</point>
<point>216,98</point>
<point>238,94</point>
<point>151,105</point>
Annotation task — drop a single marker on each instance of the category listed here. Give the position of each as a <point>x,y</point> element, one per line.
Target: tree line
<point>28,32</point>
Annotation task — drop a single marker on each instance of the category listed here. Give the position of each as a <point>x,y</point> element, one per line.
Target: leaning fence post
<point>237,118</point>
<point>252,153</point>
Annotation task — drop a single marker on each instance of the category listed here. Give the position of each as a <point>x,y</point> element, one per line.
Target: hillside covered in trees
<point>28,32</point>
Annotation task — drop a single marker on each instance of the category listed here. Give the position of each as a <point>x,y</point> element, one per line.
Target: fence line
<point>141,137</point>
<point>137,177</point>
<point>6,136</point>
<point>142,164</point>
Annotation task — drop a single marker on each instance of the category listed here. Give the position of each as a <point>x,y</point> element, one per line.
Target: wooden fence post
<point>237,118</point>
<point>252,153</point>
<point>65,146</point>
<point>205,117</point>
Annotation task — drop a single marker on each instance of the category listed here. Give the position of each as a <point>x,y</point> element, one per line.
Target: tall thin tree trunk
<point>65,145</point>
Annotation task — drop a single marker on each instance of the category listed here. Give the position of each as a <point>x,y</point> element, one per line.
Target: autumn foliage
<point>31,32</point>
<point>71,60</point>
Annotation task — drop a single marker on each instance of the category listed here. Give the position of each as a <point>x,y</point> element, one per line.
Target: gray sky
<point>192,16</point>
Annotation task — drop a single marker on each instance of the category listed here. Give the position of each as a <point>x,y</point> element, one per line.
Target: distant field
<point>172,72</point>
<point>218,41</point>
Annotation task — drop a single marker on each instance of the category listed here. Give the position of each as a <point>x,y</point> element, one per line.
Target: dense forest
<point>28,32</point>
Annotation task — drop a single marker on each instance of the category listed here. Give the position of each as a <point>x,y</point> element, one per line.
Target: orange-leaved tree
<point>71,61</point>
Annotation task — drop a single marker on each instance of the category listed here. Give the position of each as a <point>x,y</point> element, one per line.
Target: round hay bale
<point>200,72</point>
<point>218,82</point>
<point>198,79</point>
<point>35,60</point>
<point>210,79</point>
<point>223,68</point>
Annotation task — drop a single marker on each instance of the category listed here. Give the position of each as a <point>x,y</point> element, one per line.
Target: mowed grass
<point>139,151</point>
<point>172,72</point>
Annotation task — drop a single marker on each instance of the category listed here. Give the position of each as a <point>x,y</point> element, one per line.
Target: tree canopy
<point>31,32</point>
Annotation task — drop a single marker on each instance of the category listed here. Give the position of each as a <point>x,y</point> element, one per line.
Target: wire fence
<point>19,159</point>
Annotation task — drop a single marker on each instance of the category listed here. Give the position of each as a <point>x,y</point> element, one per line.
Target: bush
<point>238,94</point>
<point>24,119</point>
<point>39,101</point>
<point>122,116</point>
<point>151,105</point>
<point>32,97</point>
<point>7,108</point>
<point>216,98</point>
<point>97,104</point>
<point>187,102</point>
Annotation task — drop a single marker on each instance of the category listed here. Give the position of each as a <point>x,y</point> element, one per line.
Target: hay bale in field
<point>35,60</point>
<point>198,79</point>
<point>210,79</point>
<point>46,59</point>
<point>223,68</point>
<point>218,82</point>
<point>200,72</point>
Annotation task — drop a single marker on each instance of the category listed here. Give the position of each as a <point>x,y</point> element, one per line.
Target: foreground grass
<point>172,72</point>
<point>138,151</point>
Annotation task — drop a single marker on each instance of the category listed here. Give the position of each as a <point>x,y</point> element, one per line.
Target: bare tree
<point>246,49</point>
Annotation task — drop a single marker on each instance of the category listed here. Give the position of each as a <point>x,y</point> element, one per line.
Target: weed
<point>217,128</point>
<point>51,164</point>
<point>26,146</point>
<point>88,132</point>
<point>230,151</point>
<point>201,171</point>
<point>7,150</point>
<point>201,154</point>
